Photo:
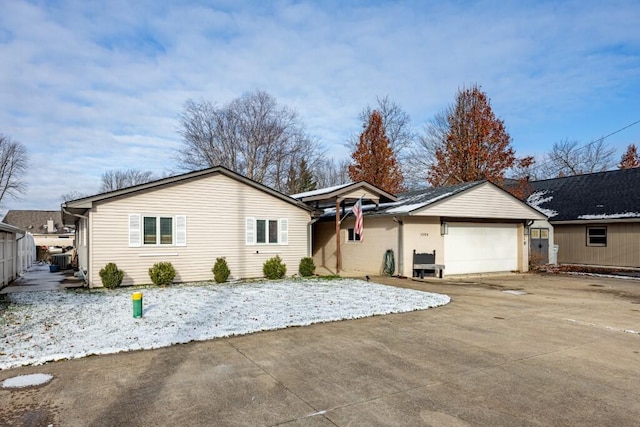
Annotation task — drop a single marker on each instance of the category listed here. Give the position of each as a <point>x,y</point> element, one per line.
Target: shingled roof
<point>410,201</point>
<point>597,196</point>
<point>36,221</point>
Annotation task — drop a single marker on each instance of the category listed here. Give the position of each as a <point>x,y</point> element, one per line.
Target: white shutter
<point>250,231</point>
<point>134,230</point>
<point>181,230</point>
<point>284,231</point>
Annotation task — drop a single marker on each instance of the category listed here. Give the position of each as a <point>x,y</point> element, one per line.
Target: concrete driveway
<point>566,352</point>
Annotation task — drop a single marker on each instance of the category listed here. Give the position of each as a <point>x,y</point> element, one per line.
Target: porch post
<point>337,235</point>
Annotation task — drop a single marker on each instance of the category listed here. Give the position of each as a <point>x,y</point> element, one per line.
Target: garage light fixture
<point>526,230</point>
<point>444,228</point>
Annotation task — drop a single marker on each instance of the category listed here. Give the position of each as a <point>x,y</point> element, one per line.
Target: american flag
<point>357,212</point>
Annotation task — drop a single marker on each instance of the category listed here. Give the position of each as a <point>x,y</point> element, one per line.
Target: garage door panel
<point>481,248</point>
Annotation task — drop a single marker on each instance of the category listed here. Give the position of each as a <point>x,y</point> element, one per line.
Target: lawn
<point>39,327</point>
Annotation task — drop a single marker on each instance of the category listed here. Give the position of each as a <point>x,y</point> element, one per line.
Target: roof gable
<point>452,201</point>
<point>87,202</point>
<point>597,196</point>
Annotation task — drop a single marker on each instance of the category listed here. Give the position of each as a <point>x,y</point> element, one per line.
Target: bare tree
<point>118,179</point>
<point>422,155</point>
<point>251,135</point>
<point>569,158</point>
<point>13,166</point>
<point>396,123</point>
<point>72,195</point>
<point>330,172</point>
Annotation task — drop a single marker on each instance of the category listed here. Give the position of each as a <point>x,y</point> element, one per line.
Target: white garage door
<point>480,248</point>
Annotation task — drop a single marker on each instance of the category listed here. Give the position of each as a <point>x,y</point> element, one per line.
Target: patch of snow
<point>319,191</point>
<point>537,198</point>
<point>22,381</point>
<point>514,292</point>
<point>39,327</point>
<point>611,216</point>
<point>607,276</point>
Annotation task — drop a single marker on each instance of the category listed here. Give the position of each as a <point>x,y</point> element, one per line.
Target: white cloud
<point>89,87</point>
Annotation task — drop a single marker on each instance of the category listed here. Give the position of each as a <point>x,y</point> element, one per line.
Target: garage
<point>480,248</point>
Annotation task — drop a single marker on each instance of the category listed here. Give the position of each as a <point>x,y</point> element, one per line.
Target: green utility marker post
<point>136,297</point>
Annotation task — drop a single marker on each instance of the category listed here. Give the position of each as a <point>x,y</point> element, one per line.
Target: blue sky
<point>92,86</point>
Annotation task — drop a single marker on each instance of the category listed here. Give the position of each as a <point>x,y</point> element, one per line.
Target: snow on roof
<point>320,191</point>
<point>611,216</point>
<point>414,206</point>
<point>537,198</point>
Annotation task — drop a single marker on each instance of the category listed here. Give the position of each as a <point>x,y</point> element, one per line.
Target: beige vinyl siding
<point>622,250</point>
<point>216,208</point>
<point>356,194</point>
<point>365,256</point>
<point>423,235</point>
<point>483,201</point>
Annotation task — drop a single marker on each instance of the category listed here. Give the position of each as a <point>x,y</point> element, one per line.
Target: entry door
<point>539,244</point>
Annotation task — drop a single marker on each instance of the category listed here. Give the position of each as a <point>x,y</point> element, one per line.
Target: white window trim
<point>606,236</point>
<point>178,236</point>
<point>251,231</point>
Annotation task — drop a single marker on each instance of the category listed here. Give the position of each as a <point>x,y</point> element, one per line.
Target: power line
<point>537,166</point>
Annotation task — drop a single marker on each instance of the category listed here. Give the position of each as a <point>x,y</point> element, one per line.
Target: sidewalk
<point>39,278</point>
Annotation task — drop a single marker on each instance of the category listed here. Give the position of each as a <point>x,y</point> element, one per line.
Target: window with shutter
<point>250,234</point>
<point>181,230</point>
<point>134,230</point>
<point>284,231</point>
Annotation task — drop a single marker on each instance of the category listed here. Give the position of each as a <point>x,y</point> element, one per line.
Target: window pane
<point>166,231</point>
<point>273,231</point>
<point>150,236</point>
<point>597,236</point>
<point>261,236</point>
<point>351,234</point>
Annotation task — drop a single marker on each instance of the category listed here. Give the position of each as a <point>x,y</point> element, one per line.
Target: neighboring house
<point>594,219</point>
<point>17,252</point>
<point>46,227</point>
<point>474,228</point>
<point>189,220</point>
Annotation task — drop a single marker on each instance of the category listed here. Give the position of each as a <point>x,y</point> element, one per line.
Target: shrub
<point>273,268</point>
<point>221,270</point>
<point>162,273</point>
<point>307,267</point>
<point>111,276</point>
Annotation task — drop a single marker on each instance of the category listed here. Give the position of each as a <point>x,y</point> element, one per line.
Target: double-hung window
<point>264,231</point>
<point>150,230</point>
<point>158,230</point>
<point>596,236</point>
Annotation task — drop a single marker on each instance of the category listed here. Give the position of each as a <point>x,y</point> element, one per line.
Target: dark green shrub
<point>307,267</point>
<point>162,273</point>
<point>221,270</point>
<point>273,268</point>
<point>111,276</point>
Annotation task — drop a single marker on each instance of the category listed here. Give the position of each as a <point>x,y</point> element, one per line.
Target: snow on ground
<point>39,327</point>
<point>22,381</point>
